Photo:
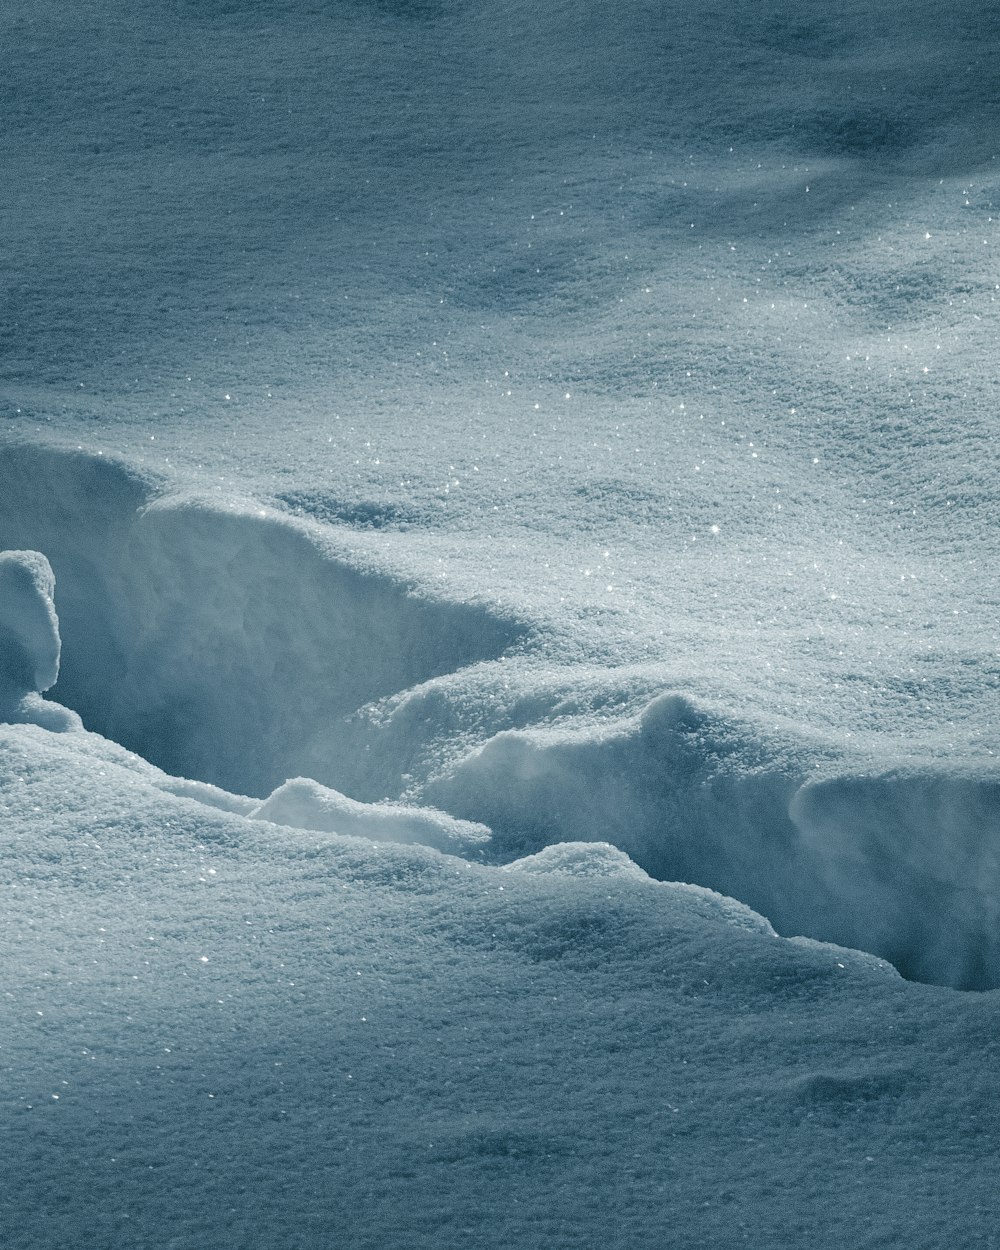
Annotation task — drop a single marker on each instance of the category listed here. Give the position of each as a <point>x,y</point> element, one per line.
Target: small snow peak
<point>29,628</point>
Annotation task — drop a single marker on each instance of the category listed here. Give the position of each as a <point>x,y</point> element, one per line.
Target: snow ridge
<point>903,864</point>
<point>234,648</point>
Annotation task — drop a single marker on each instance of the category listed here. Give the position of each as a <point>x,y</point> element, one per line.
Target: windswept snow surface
<point>561,439</point>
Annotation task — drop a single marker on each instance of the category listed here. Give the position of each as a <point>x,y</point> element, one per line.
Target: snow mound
<point>29,641</point>
<point>600,861</point>
<point>581,859</point>
<point>304,804</point>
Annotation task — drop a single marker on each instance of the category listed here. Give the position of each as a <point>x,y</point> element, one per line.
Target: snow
<point>229,644</point>
<point>29,642</point>
<point>901,861</point>
<point>305,804</point>
<point>255,1034</point>
<point>518,762</point>
<point>29,630</point>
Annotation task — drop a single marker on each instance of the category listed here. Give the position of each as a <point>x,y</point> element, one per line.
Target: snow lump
<point>29,642</point>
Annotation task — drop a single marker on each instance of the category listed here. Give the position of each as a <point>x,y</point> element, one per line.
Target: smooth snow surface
<point>501,502</point>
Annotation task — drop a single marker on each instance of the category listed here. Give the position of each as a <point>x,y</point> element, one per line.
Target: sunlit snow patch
<point>581,859</point>
<point>305,804</point>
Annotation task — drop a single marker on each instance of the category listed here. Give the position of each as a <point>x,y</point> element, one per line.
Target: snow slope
<point>216,1032</point>
<point>560,437</point>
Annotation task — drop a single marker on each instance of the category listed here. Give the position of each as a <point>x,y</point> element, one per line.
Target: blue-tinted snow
<point>29,628</point>
<point>574,421</point>
<point>29,642</point>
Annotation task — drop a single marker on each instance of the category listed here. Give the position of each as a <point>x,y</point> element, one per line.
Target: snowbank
<point>236,649</point>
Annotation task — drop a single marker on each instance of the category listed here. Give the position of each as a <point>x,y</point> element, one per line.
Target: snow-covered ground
<point>499,624</point>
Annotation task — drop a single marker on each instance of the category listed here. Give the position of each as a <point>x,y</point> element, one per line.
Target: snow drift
<point>235,648</point>
<point>905,865</point>
<point>225,643</point>
<point>304,804</point>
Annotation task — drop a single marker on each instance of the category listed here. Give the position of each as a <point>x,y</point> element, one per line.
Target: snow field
<point>563,434</point>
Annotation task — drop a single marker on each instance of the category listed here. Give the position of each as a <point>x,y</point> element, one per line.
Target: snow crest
<point>304,804</point>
